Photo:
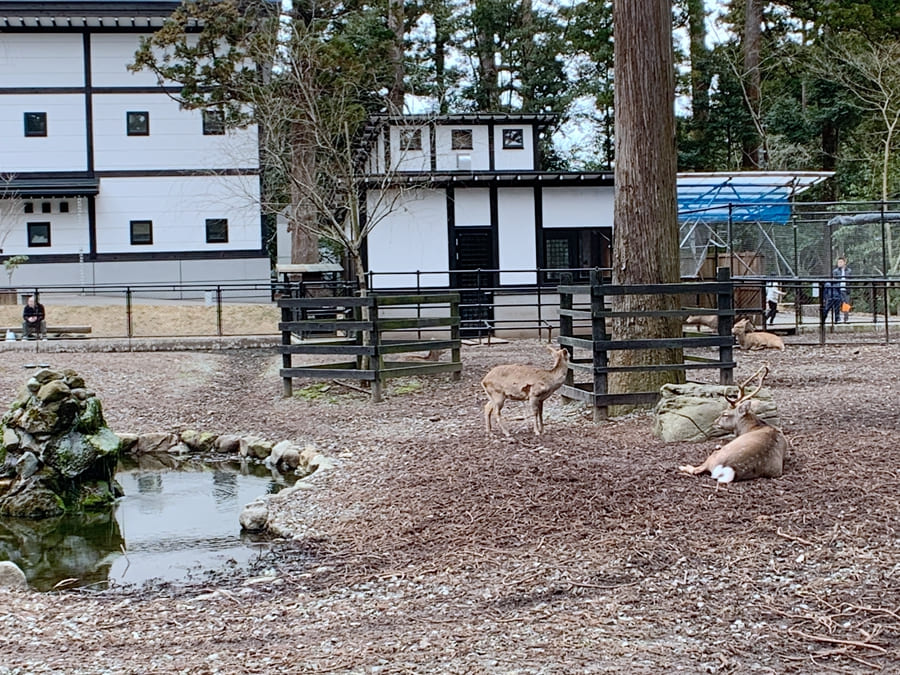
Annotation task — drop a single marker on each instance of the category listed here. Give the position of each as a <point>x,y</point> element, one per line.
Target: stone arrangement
<point>57,453</point>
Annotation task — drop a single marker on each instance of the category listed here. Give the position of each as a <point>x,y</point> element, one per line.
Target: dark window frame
<point>137,241</point>
<point>28,207</point>
<point>586,248</point>
<point>46,207</point>
<point>212,223</point>
<point>134,126</point>
<point>32,232</point>
<point>213,123</point>
<point>411,140</point>
<point>35,124</point>
<point>64,207</point>
<point>462,139</point>
<point>514,139</point>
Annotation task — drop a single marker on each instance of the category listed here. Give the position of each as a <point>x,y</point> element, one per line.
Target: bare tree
<point>646,213</point>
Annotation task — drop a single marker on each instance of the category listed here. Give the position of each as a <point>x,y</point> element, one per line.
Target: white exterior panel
<point>68,231</point>
<point>472,207</point>
<point>410,160</point>
<point>64,148</point>
<point>35,60</point>
<point>578,207</point>
<point>516,235</point>
<point>110,56</point>
<point>175,140</point>
<point>447,159</point>
<point>178,208</point>
<point>409,239</point>
<point>514,159</point>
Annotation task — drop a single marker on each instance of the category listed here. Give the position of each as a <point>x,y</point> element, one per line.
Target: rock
<point>688,412</point>
<point>229,444</point>
<point>254,515</point>
<point>55,390</point>
<point>10,439</point>
<point>179,449</point>
<point>91,418</point>
<point>155,442</point>
<point>11,576</point>
<point>199,441</point>
<point>252,446</point>
<point>128,441</point>
<point>46,375</point>
<point>73,379</point>
<point>31,498</point>
<point>27,465</point>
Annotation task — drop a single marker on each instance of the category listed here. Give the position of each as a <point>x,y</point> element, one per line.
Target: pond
<point>175,523</point>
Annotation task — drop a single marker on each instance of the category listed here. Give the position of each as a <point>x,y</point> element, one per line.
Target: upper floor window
<point>216,230</point>
<point>513,139</point>
<point>410,139</point>
<point>46,207</point>
<point>141,232</point>
<point>28,208</point>
<point>138,123</point>
<point>35,124</point>
<point>38,234</point>
<point>64,207</point>
<point>213,123</point>
<point>460,139</point>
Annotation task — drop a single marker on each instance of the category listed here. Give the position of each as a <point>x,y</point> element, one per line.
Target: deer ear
<point>744,406</point>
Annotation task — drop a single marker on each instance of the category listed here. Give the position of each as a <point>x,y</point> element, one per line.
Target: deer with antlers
<point>758,448</point>
<point>750,338</point>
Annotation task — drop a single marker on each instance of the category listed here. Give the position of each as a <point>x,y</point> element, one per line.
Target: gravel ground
<point>432,548</point>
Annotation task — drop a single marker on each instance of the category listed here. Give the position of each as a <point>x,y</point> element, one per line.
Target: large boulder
<point>57,452</point>
<point>688,412</point>
<point>11,576</point>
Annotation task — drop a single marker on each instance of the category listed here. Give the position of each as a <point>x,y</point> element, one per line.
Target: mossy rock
<point>91,419</point>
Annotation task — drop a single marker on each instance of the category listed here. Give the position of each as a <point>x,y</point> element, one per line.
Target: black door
<point>473,255</point>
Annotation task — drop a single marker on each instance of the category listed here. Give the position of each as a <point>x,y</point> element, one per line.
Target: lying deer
<point>520,383</point>
<point>758,448</point>
<point>750,338</point>
<point>711,321</point>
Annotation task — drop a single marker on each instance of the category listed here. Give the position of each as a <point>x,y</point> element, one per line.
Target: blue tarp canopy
<point>742,196</point>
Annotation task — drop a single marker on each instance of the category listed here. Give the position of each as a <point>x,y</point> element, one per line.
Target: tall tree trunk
<point>396,19</point>
<point>441,39</point>
<point>528,66</point>
<point>488,92</point>
<point>645,246</point>
<point>750,158</point>
<point>302,217</point>
<point>700,75</point>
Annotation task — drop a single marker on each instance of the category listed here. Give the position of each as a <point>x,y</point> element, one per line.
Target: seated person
<point>33,323</point>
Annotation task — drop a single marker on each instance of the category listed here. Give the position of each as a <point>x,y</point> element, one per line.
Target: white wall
<point>178,208</point>
<point>410,239</point>
<point>64,148</point>
<point>410,160</point>
<point>176,139</point>
<point>68,231</point>
<point>41,60</point>
<point>578,207</point>
<point>447,159</point>
<point>472,206</point>
<point>514,159</point>
<point>516,235</point>
<point>110,55</point>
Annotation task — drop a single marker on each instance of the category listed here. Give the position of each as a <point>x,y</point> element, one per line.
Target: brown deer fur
<point>749,338</point>
<point>520,383</point>
<point>711,321</point>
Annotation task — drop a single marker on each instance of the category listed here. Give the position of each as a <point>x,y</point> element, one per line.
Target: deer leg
<point>694,470</point>
<point>497,406</point>
<point>537,412</point>
<point>488,411</point>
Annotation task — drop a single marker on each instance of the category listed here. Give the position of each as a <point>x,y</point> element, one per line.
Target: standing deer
<point>520,383</point>
<point>750,338</point>
<point>758,448</point>
<point>711,321</point>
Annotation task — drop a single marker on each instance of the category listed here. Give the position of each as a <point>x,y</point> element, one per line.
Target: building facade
<point>104,179</point>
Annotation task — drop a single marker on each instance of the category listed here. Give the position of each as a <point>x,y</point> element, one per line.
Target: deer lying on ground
<point>750,338</point>
<point>520,383</point>
<point>758,448</point>
<point>711,321</point>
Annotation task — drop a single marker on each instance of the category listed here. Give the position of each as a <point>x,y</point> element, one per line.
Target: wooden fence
<point>371,330</point>
<point>599,343</point>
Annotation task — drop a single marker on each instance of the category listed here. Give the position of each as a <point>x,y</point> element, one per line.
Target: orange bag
<point>846,307</point>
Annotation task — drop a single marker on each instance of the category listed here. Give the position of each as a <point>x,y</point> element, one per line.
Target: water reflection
<point>172,523</point>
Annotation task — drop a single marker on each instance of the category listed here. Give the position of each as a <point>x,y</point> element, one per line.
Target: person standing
<point>773,295</point>
<point>842,273</point>
<point>33,324</point>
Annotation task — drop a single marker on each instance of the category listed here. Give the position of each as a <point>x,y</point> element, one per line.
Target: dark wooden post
<point>725,304</point>
<point>376,363</point>
<point>455,352</point>
<point>598,334</point>
<point>565,322</point>
<point>287,387</point>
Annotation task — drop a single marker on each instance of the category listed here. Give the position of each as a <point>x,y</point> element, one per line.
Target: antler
<point>761,373</point>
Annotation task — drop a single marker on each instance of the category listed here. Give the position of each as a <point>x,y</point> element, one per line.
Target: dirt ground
<point>433,548</point>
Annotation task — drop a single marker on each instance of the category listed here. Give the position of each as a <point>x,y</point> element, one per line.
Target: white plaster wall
<point>110,55</point>
<point>176,139</point>
<point>41,60</point>
<point>472,206</point>
<point>410,160</point>
<point>516,233</point>
<point>411,238</point>
<point>446,159</point>
<point>68,231</point>
<point>509,160</point>
<point>578,206</point>
<point>178,208</point>
<point>64,148</point>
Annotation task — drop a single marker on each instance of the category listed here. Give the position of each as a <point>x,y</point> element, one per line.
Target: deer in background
<point>758,448</point>
<point>711,321</point>
<point>520,383</point>
<point>750,338</point>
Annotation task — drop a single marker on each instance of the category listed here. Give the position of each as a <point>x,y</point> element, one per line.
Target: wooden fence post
<point>598,335</point>
<point>725,304</point>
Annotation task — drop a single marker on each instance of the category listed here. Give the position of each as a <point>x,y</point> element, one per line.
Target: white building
<point>103,178</point>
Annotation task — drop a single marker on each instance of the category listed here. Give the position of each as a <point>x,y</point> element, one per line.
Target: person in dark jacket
<point>832,300</point>
<point>33,324</point>
<point>842,272</point>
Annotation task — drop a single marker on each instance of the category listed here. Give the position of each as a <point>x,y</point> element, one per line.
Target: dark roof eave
<point>518,179</point>
<point>49,187</point>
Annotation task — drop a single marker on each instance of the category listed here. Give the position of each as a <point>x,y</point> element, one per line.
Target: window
<point>29,207</point>
<point>410,139</point>
<point>46,207</point>
<point>38,234</point>
<point>141,232</point>
<point>138,123</point>
<point>64,207</point>
<point>35,124</point>
<point>216,230</point>
<point>513,139</point>
<point>460,139</point>
<point>213,123</point>
<point>577,251</point>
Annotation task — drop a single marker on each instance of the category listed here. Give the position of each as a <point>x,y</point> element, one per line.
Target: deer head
<point>734,401</point>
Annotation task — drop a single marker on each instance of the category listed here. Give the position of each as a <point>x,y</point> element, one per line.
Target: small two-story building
<point>103,177</point>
